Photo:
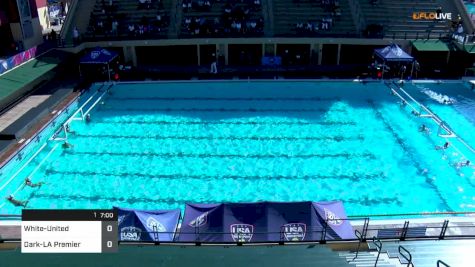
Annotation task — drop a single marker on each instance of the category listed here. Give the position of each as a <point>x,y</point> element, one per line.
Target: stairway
<point>425,253</point>
<point>368,259</point>
<point>79,18</point>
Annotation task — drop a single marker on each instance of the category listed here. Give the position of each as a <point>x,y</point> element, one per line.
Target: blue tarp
<point>393,53</point>
<point>264,222</point>
<point>98,56</point>
<point>147,225</point>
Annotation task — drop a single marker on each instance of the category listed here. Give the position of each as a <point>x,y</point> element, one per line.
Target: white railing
<point>24,165</point>
<point>34,171</point>
<point>442,125</point>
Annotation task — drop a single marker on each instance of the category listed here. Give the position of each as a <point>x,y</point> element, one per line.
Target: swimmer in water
<point>67,145</point>
<point>88,118</point>
<point>31,184</point>
<point>445,146</point>
<point>424,129</point>
<point>464,164</point>
<point>17,202</point>
<point>68,129</point>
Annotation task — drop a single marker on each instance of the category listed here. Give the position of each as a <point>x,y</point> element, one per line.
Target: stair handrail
<point>445,225</point>
<point>441,263</point>
<point>360,239</point>
<point>379,247</point>
<point>402,249</point>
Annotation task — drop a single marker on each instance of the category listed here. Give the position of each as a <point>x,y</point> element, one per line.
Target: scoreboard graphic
<point>69,231</point>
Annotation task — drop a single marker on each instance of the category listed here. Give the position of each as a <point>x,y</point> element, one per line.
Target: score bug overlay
<point>69,231</point>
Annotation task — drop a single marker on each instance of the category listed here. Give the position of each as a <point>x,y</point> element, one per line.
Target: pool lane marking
<point>352,123</point>
<point>410,155</point>
<point>353,177</point>
<point>24,165</point>
<point>207,155</point>
<point>251,110</point>
<point>43,160</point>
<point>258,138</point>
<point>168,200</point>
<point>303,99</point>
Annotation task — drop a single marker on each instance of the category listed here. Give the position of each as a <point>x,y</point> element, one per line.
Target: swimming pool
<point>470,7</point>
<point>159,145</point>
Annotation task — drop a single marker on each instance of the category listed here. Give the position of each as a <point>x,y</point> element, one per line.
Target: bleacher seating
<point>287,13</point>
<point>396,20</point>
<point>127,13</point>
<point>293,18</point>
<point>222,18</point>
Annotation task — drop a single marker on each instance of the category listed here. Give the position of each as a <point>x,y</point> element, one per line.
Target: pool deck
<point>36,127</point>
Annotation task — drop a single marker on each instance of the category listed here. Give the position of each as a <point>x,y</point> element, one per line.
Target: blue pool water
<point>470,7</point>
<point>159,145</point>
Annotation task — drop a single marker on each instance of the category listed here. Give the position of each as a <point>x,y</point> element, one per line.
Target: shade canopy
<point>431,46</point>
<point>98,56</point>
<point>147,225</point>
<point>265,222</point>
<point>393,53</point>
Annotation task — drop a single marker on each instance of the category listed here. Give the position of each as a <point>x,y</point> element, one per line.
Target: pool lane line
<point>24,165</point>
<point>303,99</point>
<point>257,138</point>
<point>355,177</point>
<point>208,155</point>
<point>405,148</point>
<point>221,110</point>
<point>352,123</point>
<point>365,201</point>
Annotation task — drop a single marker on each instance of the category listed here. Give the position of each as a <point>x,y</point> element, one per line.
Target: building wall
<point>42,10</point>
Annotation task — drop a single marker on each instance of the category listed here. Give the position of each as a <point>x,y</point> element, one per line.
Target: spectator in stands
<point>75,36</point>
<point>100,27</point>
<point>460,28</point>
<point>114,27</point>
<point>131,28</point>
<point>186,5</point>
<point>214,68</point>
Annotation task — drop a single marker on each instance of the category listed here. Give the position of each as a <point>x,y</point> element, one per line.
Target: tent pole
<point>412,68</point>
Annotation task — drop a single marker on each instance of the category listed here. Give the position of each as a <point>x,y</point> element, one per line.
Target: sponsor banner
<point>294,231</point>
<point>16,60</point>
<point>264,222</point>
<point>147,225</point>
<point>333,214</point>
<point>202,222</point>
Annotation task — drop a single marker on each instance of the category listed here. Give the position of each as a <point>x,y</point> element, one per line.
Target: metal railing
<point>441,263</point>
<point>406,255</point>
<point>449,133</point>
<point>379,247</point>
<point>402,231</point>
